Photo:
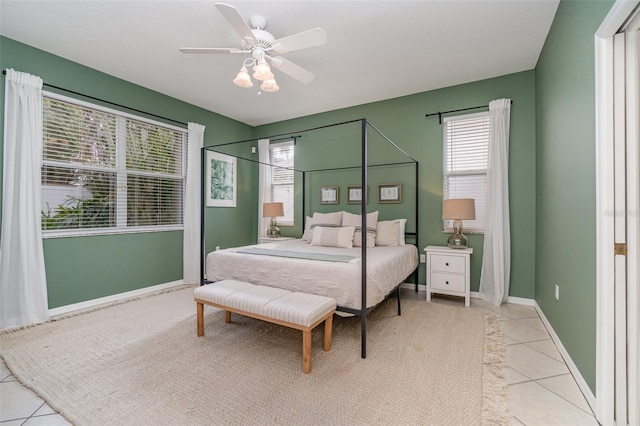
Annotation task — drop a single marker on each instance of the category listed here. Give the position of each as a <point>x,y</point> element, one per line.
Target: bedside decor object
<point>458,209</point>
<point>273,210</point>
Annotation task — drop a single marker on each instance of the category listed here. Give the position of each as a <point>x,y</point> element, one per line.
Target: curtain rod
<point>4,72</point>
<point>439,113</point>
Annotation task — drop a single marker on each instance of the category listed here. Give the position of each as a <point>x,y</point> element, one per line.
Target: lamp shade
<point>243,79</point>
<point>459,208</point>
<point>272,210</point>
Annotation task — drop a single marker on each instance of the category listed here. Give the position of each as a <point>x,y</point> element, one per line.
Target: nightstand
<point>265,240</point>
<point>449,272</point>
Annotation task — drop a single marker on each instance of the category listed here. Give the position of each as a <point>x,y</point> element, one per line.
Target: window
<point>466,151</point>
<point>104,171</point>
<point>282,178</point>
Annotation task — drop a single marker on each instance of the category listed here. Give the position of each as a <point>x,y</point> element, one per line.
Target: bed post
<point>417,222</point>
<point>363,212</point>
<point>304,190</point>
<point>202,186</point>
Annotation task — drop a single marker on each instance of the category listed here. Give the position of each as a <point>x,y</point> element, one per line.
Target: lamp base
<point>458,241</point>
<point>273,232</point>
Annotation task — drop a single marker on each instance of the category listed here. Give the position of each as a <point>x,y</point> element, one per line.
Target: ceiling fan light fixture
<point>270,86</point>
<point>243,79</point>
<point>262,71</point>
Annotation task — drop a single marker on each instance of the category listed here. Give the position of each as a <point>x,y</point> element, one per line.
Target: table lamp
<point>273,210</point>
<point>458,209</point>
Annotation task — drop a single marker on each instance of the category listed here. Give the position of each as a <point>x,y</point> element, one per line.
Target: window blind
<point>282,178</point>
<point>104,170</point>
<point>466,151</point>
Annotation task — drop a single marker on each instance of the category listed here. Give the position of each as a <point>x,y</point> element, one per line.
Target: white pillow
<point>391,232</point>
<point>320,219</point>
<point>350,219</point>
<point>388,233</point>
<point>333,237</point>
<point>403,223</point>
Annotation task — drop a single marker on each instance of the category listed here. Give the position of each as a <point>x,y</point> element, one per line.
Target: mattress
<point>386,268</point>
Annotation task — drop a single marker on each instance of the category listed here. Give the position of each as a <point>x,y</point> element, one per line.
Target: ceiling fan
<point>262,46</point>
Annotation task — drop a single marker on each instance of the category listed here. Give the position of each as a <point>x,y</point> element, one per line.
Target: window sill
<point>98,232</point>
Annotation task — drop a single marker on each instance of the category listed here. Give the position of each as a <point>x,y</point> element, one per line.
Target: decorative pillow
<point>388,233</point>
<point>403,223</point>
<point>349,219</point>
<point>333,237</point>
<point>391,233</point>
<point>321,219</point>
<point>306,235</point>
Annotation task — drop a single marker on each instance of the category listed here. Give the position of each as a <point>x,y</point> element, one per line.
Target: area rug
<point>141,363</point>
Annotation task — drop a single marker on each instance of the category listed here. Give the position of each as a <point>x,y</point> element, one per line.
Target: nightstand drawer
<point>447,282</point>
<point>444,263</point>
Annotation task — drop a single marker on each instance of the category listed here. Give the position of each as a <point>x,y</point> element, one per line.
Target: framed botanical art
<point>329,195</point>
<point>221,180</point>
<point>354,194</point>
<point>389,193</point>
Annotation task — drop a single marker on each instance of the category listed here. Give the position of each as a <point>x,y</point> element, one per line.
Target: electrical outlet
<point>253,149</point>
<point>557,292</point>
<point>423,258</point>
<point>217,248</point>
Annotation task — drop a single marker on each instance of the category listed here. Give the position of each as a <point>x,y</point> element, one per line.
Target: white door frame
<point>617,311</point>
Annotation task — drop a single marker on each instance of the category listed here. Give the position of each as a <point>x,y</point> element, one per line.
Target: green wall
<point>565,185</point>
<point>403,121</point>
<point>85,268</point>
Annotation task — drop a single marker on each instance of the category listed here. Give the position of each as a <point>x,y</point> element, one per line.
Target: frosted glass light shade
<point>243,79</point>
<point>262,71</point>
<point>270,86</point>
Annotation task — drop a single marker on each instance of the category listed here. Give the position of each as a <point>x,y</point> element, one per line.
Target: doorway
<point>617,44</point>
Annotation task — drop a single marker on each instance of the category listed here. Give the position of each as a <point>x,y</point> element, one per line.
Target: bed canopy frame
<point>365,128</point>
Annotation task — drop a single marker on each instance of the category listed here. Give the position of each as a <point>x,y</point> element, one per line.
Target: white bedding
<point>386,268</point>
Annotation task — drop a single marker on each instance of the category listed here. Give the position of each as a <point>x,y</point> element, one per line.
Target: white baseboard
<point>521,301</point>
<point>63,310</point>
<point>582,384</point>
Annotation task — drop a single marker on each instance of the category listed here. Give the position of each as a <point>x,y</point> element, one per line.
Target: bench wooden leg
<point>306,351</point>
<point>227,316</point>
<point>200,310</point>
<point>328,328</point>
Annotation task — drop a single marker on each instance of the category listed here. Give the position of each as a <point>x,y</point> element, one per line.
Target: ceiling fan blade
<point>292,69</point>
<point>211,50</point>
<point>310,38</point>
<point>234,18</point>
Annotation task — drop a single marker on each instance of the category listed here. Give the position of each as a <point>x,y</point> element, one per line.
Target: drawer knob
<point>446,282</point>
<point>447,263</point>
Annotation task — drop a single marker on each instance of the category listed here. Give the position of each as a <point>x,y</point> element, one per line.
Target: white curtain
<point>191,245</point>
<point>496,261</point>
<point>23,282</point>
<point>264,194</point>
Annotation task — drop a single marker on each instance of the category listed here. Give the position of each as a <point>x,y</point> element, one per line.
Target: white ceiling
<point>376,49</point>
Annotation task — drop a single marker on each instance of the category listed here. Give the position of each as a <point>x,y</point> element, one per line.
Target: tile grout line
<point>556,393</point>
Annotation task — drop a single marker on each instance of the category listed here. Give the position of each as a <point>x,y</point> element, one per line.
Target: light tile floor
<point>542,391</point>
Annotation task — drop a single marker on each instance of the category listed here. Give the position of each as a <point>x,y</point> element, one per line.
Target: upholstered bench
<point>301,311</point>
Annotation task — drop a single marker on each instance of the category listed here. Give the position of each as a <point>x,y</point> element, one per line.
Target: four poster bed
<point>334,258</point>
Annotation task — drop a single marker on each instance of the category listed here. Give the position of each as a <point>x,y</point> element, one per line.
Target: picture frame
<point>354,194</point>
<point>329,195</point>
<point>221,180</point>
<point>389,193</point>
